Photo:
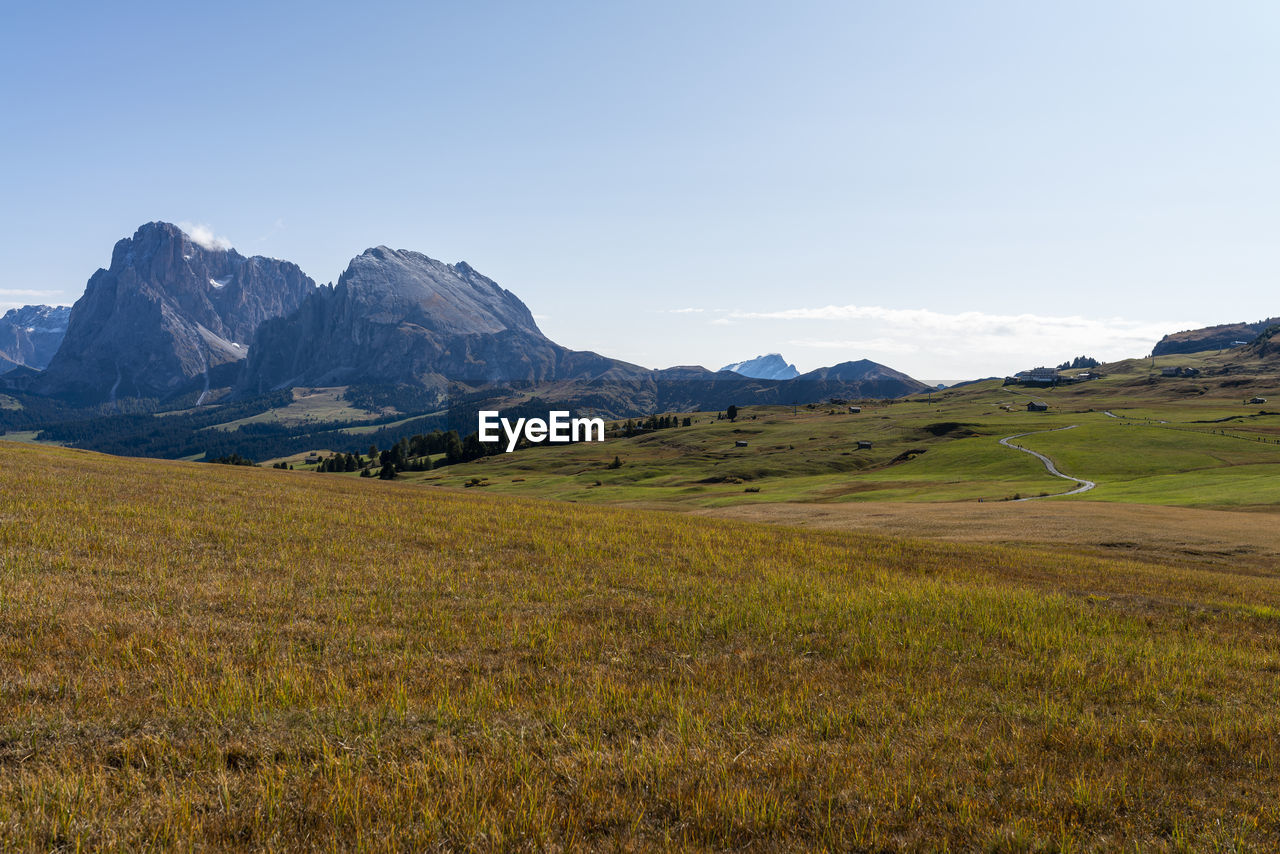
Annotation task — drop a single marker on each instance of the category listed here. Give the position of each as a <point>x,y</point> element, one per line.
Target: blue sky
<point>953,189</point>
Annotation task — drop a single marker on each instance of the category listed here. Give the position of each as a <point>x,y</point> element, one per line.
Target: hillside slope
<point>235,659</point>
<point>1221,337</point>
<point>399,317</point>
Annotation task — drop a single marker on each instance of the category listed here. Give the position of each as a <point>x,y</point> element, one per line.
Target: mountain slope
<point>1219,337</point>
<point>30,335</point>
<point>1267,345</point>
<point>623,394</point>
<point>399,317</point>
<point>170,315</point>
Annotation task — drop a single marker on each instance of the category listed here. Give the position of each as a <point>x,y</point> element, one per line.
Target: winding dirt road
<point>1085,485</point>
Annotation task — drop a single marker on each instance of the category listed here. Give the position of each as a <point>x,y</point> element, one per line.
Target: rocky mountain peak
<point>170,310</point>
<point>414,288</point>
<point>30,335</point>
<point>400,316</point>
<point>770,366</point>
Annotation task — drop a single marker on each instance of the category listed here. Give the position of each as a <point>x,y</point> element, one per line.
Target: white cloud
<point>685,310</point>
<point>203,235</point>
<point>878,345</point>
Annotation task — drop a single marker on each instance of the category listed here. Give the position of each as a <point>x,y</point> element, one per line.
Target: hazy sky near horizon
<point>952,189</point>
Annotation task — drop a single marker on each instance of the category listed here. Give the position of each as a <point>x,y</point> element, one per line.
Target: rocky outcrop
<point>1222,337</point>
<point>31,335</point>
<point>169,316</point>
<point>768,367</point>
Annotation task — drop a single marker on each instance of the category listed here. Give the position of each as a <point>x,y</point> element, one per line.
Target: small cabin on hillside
<point>864,446</point>
<point>312,458</point>
<point>1037,406</point>
<point>1257,400</point>
<point>855,409</point>
<point>739,444</point>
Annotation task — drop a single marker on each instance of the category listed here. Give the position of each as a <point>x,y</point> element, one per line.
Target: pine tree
<point>452,447</point>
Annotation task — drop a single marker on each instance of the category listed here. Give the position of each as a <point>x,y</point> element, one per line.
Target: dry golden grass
<point>206,657</point>
<point>1233,540</point>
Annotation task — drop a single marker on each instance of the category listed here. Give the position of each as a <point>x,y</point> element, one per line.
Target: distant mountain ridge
<point>1221,337</point>
<point>30,335</point>
<point>174,316</point>
<point>770,366</point>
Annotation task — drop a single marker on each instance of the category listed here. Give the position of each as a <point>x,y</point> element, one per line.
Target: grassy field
<point>310,405</point>
<point>1244,540</point>
<point>208,657</point>
<point>1141,436</point>
<point>811,457</point>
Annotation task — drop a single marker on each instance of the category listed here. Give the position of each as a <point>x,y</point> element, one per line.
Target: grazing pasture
<point>209,657</point>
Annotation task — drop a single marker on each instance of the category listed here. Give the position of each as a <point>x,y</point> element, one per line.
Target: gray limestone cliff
<point>170,315</point>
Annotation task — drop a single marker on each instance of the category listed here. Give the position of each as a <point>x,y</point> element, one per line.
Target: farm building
<point>1037,406</point>
<point>312,458</point>
<point>1038,375</point>
<point>864,445</point>
<point>855,409</point>
<point>1257,400</point>
<point>739,444</point>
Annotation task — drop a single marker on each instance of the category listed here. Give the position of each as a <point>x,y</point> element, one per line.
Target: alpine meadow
<point>225,657</point>
<point>639,427</point>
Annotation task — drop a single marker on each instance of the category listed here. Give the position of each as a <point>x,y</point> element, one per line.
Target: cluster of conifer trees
<point>1079,362</point>
<point>631,427</point>
<point>412,453</point>
<point>233,460</point>
<point>427,451</point>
